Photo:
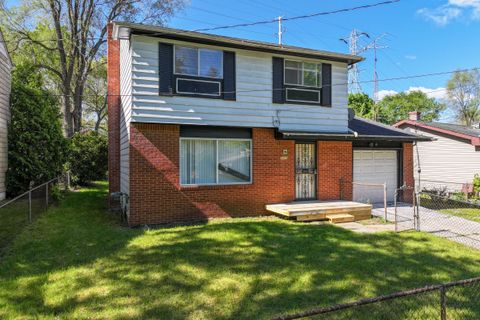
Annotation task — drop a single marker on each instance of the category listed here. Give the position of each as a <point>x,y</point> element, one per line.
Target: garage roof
<point>468,134</point>
<point>359,129</point>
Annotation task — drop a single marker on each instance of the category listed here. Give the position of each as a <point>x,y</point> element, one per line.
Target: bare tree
<point>79,30</point>
<point>463,92</point>
<point>95,99</point>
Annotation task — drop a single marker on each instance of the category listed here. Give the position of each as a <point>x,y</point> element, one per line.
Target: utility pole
<point>354,72</point>
<point>280,31</point>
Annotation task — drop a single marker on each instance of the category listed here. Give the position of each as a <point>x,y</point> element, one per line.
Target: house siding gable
<point>253,106</point>
<point>444,159</point>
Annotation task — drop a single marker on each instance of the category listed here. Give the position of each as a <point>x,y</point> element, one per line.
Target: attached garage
<point>371,169</point>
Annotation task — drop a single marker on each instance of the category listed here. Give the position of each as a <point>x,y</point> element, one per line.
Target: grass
<point>77,262</point>
<point>451,207</point>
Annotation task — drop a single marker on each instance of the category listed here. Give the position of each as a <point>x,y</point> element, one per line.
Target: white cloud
<point>438,93</point>
<point>411,57</point>
<point>452,10</point>
<point>441,15</point>
<point>383,93</point>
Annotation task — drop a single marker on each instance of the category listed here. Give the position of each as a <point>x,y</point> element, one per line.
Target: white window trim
<point>198,62</point>
<point>199,93</point>
<point>216,162</point>
<point>318,85</point>
<point>300,89</point>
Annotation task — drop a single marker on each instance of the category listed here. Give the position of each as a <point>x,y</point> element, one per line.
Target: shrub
<point>36,146</point>
<point>88,157</point>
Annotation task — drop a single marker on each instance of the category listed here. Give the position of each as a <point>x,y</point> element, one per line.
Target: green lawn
<point>77,262</point>
<point>452,207</point>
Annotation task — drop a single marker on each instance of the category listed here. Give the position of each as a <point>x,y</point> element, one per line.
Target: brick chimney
<point>414,116</point>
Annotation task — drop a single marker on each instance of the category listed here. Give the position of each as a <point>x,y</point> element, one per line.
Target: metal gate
<point>406,211</point>
<point>305,171</point>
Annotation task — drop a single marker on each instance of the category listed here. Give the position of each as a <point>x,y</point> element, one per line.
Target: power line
<point>416,76</point>
<point>317,14</point>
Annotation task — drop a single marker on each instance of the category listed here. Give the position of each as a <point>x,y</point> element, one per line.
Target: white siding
<point>251,109</point>
<point>126,112</point>
<point>445,159</point>
<point>5,86</point>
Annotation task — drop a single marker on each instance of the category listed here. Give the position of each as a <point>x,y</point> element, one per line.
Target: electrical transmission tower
<point>353,72</point>
<point>356,49</point>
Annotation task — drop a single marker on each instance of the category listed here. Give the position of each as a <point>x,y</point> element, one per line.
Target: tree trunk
<point>67,116</point>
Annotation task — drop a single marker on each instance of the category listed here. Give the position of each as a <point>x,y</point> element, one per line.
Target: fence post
<point>30,206</point>
<point>68,180</point>
<point>395,209</point>
<point>385,200</point>
<point>443,303</point>
<point>46,196</point>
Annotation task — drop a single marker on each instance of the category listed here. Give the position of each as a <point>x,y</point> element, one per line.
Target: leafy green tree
<point>88,157</point>
<point>37,149</point>
<point>463,91</point>
<point>73,37</point>
<point>396,107</point>
<point>362,104</point>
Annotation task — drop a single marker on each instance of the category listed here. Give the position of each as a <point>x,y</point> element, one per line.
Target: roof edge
<point>474,141</point>
<point>233,42</point>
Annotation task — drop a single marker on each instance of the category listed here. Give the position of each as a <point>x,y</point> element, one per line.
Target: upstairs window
<point>305,74</point>
<point>198,62</point>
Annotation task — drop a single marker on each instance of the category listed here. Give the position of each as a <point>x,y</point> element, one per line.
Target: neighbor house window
<point>198,62</point>
<point>215,161</point>
<point>300,73</point>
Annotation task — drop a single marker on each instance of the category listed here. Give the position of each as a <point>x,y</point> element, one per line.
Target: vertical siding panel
<point>126,112</point>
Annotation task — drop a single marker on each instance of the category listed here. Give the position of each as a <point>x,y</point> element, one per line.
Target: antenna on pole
<point>374,45</point>
<point>280,30</point>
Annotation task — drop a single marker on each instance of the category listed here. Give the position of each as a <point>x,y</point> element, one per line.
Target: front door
<point>305,171</point>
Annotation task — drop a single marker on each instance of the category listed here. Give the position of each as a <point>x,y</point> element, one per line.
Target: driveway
<point>440,224</point>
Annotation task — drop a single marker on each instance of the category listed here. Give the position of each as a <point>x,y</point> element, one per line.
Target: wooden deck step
<point>340,218</point>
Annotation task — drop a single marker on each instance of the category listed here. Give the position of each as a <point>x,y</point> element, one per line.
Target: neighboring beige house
<point>452,159</point>
<point>5,85</point>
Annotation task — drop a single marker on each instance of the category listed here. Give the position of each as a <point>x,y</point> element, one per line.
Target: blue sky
<point>423,36</point>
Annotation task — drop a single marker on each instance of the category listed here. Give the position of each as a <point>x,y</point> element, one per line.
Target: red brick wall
<point>335,162</point>
<point>408,179</point>
<point>113,86</point>
<point>157,197</point>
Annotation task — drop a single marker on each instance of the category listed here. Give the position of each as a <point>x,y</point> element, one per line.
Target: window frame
<point>303,101</point>
<point>217,183</point>
<point>317,78</point>
<point>198,49</point>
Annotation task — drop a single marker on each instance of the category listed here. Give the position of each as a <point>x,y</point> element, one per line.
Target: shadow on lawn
<point>232,269</point>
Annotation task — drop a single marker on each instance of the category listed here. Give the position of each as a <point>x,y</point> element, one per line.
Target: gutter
<point>352,135</point>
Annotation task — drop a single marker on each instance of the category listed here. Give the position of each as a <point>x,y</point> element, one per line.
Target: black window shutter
<point>326,85</point>
<point>278,92</point>
<point>229,77</point>
<point>165,68</point>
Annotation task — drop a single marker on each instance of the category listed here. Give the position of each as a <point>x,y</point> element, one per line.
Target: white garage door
<point>374,167</point>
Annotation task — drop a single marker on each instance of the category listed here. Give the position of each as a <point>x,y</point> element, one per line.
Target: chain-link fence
<point>454,300</point>
<point>22,210</point>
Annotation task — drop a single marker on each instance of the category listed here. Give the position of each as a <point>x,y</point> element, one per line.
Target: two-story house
<point>204,126</point>
<point>5,87</point>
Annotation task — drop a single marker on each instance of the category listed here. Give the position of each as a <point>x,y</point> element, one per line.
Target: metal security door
<point>305,171</point>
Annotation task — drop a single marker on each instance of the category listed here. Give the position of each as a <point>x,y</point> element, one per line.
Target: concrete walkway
<point>366,228</point>
<point>440,224</point>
